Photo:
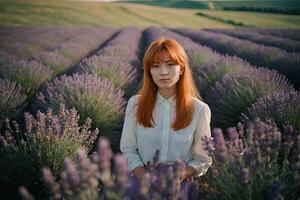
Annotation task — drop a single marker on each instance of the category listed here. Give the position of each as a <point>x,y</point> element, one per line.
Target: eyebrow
<point>165,61</point>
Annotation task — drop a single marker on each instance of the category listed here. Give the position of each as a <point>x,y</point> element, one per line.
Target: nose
<point>163,69</point>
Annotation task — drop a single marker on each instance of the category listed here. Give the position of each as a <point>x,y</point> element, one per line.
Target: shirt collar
<point>161,99</point>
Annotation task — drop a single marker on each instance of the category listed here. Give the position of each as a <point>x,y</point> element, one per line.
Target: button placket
<point>165,132</point>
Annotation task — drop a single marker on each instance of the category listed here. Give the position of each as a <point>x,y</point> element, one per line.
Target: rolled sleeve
<point>128,143</point>
<point>201,160</point>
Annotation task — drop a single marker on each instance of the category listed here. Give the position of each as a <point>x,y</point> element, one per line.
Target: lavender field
<point>63,93</point>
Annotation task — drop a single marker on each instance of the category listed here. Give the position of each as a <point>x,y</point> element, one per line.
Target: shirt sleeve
<point>128,143</point>
<point>201,160</point>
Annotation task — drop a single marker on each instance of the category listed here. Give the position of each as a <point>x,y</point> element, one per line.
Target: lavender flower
<point>253,165</point>
<point>47,141</point>
<point>220,145</point>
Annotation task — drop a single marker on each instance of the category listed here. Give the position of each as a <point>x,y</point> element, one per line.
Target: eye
<point>170,64</point>
<point>155,66</point>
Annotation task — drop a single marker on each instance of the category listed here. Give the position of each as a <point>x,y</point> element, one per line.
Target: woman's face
<point>164,72</point>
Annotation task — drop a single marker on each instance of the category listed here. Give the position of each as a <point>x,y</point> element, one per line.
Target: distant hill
<point>271,6</point>
<point>174,4</point>
<point>120,14</point>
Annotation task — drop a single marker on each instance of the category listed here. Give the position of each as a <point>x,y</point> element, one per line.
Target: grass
<point>120,14</point>
<point>257,19</point>
<point>66,13</point>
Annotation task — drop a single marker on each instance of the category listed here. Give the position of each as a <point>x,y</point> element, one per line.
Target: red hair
<point>185,90</point>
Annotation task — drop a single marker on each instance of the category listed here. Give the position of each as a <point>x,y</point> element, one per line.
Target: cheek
<point>153,74</point>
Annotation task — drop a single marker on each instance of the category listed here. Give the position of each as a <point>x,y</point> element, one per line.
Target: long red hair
<point>185,90</point>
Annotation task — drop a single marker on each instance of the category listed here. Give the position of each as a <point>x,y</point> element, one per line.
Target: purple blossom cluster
<point>260,55</point>
<point>105,176</point>
<point>268,40</point>
<point>48,140</point>
<point>236,91</point>
<point>282,108</point>
<point>248,164</point>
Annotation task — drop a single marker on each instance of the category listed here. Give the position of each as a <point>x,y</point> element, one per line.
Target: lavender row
<point>293,34</point>
<point>117,60</point>
<point>24,45</point>
<point>268,40</point>
<point>228,84</point>
<point>30,74</point>
<point>270,57</point>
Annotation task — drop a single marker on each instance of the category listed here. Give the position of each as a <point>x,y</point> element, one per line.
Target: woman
<point>166,114</point>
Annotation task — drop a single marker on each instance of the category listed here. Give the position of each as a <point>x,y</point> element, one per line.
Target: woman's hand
<point>187,172</point>
<point>139,172</point>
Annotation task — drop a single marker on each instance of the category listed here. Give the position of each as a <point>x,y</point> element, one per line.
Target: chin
<point>165,86</point>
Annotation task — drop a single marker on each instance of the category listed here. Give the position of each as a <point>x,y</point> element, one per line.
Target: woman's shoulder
<point>134,98</point>
<point>200,105</point>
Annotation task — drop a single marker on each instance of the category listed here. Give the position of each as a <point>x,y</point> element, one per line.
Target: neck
<point>167,92</point>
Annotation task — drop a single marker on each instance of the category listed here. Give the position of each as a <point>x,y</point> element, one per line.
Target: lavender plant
<point>53,60</point>
<point>29,74</point>
<point>246,165</point>
<point>282,108</point>
<point>214,69</point>
<point>12,99</point>
<point>236,91</point>
<point>91,96</point>
<point>48,140</point>
<point>120,74</point>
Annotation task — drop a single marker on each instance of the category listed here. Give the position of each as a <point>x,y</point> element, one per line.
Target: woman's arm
<point>128,143</point>
<point>201,161</point>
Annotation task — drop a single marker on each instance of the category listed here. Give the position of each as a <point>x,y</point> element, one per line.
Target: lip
<point>164,79</point>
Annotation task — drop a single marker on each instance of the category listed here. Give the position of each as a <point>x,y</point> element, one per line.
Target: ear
<point>181,70</point>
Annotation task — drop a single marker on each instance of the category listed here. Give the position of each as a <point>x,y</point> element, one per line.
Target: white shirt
<point>138,144</point>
